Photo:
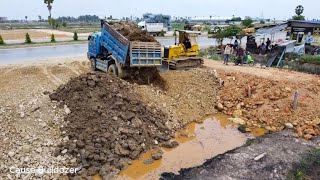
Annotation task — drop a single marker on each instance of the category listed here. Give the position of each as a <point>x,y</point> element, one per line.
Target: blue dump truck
<point>113,53</point>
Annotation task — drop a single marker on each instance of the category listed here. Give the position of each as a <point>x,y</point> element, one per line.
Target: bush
<point>75,36</point>
<point>64,24</point>
<point>308,166</point>
<point>28,39</point>
<point>310,59</point>
<point>1,40</point>
<point>53,39</point>
<point>162,33</point>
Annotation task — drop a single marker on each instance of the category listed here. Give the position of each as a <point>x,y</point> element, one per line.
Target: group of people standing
<point>231,49</point>
<point>240,52</point>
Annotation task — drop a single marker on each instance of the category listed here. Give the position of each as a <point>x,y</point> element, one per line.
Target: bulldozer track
<point>53,78</point>
<point>185,63</point>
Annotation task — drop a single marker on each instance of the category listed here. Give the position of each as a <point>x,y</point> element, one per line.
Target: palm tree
<point>299,10</point>
<point>49,2</point>
<point>40,18</point>
<point>26,17</point>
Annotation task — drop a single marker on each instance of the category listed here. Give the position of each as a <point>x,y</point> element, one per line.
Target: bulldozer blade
<point>164,67</point>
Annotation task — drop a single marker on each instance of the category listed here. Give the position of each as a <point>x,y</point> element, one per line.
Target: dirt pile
<point>132,32</point>
<point>268,103</point>
<point>108,125</point>
<point>188,95</point>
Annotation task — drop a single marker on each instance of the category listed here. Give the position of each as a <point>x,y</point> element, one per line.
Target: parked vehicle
<point>111,52</point>
<point>154,29</point>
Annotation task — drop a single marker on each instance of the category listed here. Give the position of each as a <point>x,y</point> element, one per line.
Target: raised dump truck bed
<point>112,52</point>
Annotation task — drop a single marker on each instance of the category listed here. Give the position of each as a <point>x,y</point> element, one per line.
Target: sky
<point>279,9</point>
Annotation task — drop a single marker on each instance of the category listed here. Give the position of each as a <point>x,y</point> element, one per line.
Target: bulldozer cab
<point>185,36</point>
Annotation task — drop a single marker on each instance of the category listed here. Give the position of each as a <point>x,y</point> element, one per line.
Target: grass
<point>310,59</point>
<point>308,167</point>
<point>178,26</point>
<point>210,53</point>
<point>33,44</point>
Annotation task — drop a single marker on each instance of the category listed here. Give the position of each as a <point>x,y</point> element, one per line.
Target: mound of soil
<point>108,124</point>
<point>132,32</point>
<point>188,95</point>
<point>270,104</point>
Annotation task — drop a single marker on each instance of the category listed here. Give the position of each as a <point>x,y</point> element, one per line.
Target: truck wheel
<point>93,64</point>
<point>112,70</point>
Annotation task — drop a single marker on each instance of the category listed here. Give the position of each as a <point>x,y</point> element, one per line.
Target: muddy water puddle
<point>197,143</point>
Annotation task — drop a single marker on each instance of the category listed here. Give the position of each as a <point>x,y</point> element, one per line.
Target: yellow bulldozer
<point>185,53</point>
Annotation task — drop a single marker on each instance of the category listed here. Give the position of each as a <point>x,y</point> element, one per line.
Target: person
<point>308,40</point>
<point>268,44</point>
<point>235,45</point>
<point>227,53</point>
<point>262,48</point>
<point>240,55</point>
<point>187,43</point>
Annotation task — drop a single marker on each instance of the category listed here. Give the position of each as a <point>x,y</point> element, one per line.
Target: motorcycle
<point>247,59</point>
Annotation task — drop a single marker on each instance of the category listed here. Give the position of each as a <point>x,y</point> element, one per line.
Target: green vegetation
<point>28,39</point>
<point>247,23</point>
<point>75,36</point>
<point>178,26</point>
<point>1,40</point>
<point>211,53</point>
<point>64,24</point>
<point>53,39</point>
<point>308,167</point>
<point>162,33</point>
<point>49,6</point>
<point>228,32</point>
<point>299,10</point>
<point>310,59</point>
<point>37,44</point>
<point>298,17</point>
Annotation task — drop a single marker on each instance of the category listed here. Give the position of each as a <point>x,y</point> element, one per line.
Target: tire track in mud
<point>53,78</point>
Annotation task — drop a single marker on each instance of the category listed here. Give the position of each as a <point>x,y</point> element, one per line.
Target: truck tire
<point>112,70</point>
<point>93,64</point>
<point>122,72</point>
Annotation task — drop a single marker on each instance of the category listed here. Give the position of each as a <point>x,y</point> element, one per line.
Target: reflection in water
<point>198,142</point>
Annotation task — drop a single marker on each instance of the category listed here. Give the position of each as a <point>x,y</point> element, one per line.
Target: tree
<point>1,40</point>
<point>53,39</point>
<point>247,23</point>
<point>53,22</point>
<point>228,32</point>
<point>26,17</point>
<point>162,33</point>
<point>49,6</point>
<point>75,36</point>
<point>64,24</point>
<point>298,18</point>
<point>299,10</point>
<point>28,39</point>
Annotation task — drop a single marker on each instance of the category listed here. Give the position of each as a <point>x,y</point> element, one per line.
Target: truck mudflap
<point>145,54</point>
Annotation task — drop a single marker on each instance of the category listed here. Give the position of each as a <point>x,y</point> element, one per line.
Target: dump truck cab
<point>94,48</point>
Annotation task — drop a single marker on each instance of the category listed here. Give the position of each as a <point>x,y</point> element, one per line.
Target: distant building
<point>300,28</point>
<point>3,19</point>
<point>214,20</point>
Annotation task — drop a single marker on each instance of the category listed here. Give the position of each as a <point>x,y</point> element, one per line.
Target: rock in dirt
<point>289,125</point>
<point>259,157</point>
<point>237,121</point>
<point>100,138</point>
<point>156,155</point>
